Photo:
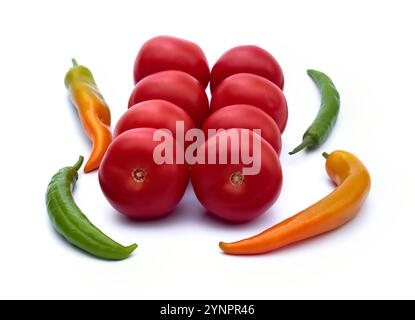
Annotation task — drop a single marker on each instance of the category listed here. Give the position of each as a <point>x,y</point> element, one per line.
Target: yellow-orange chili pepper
<point>93,111</point>
<point>340,206</point>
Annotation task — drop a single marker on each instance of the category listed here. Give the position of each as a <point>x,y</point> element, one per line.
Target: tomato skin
<point>248,117</point>
<point>245,88</point>
<point>146,114</point>
<point>246,59</point>
<point>237,203</point>
<point>170,53</point>
<point>163,185</point>
<point>176,87</point>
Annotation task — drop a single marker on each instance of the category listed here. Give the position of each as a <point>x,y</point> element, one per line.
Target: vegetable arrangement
<point>228,149</point>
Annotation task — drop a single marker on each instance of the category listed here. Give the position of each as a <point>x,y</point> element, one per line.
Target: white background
<point>367,47</point>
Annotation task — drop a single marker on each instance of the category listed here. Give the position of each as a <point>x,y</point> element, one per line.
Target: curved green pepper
<point>322,125</point>
<point>72,224</point>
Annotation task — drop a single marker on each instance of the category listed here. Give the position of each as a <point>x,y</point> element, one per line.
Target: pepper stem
<point>307,142</point>
<point>78,164</point>
<point>325,155</point>
<point>75,64</point>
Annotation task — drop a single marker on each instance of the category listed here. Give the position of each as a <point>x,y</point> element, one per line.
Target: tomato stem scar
<point>138,175</point>
<point>237,178</point>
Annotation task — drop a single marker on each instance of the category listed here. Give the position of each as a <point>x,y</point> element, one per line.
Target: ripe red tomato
<point>246,59</point>
<point>245,88</point>
<point>132,181</point>
<point>248,117</point>
<point>170,53</point>
<point>157,114</point>
<point>228,193</point>
<point>176,87</point>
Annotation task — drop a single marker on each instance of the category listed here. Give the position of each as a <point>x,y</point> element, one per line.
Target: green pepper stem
<point>325,155</point>
<point>307,142</point>
<point>75,64</point>
<point>78,164</point>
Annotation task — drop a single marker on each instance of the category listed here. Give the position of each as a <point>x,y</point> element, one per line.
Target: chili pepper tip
<point>297,149</point>
<point>304,144</point>
<point>222,245</point>
<point>132,247</point>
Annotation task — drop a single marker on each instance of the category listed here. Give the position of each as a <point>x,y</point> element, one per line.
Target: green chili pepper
<point>72,224</point>
<point>324,122</point>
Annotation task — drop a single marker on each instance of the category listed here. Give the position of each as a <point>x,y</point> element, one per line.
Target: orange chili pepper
<point>93,111</point>
<point>340,206</point>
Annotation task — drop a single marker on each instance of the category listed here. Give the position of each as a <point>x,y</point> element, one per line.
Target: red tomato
<point>246,59</point>
<point>228,193</point>
<point>170,53</point>
<point>147,115</point>
<point>248,117</point>
<point>133,183</point>
<point>176,87</point>
<point>245,88</point>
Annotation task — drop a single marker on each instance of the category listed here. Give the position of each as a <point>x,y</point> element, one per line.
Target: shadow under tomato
<point>191,213</point>
<point>178,215</point>
<point>210,218</point>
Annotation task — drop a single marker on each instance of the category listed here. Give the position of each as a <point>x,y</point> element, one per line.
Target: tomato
<point>225,191</point>
<point>248,117</point>
<point>247,59</point>
<point>134,183</point>
<point>245,88</point>
<point>147,115</point>
<point>176,87</point>
<point>170,53</point>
